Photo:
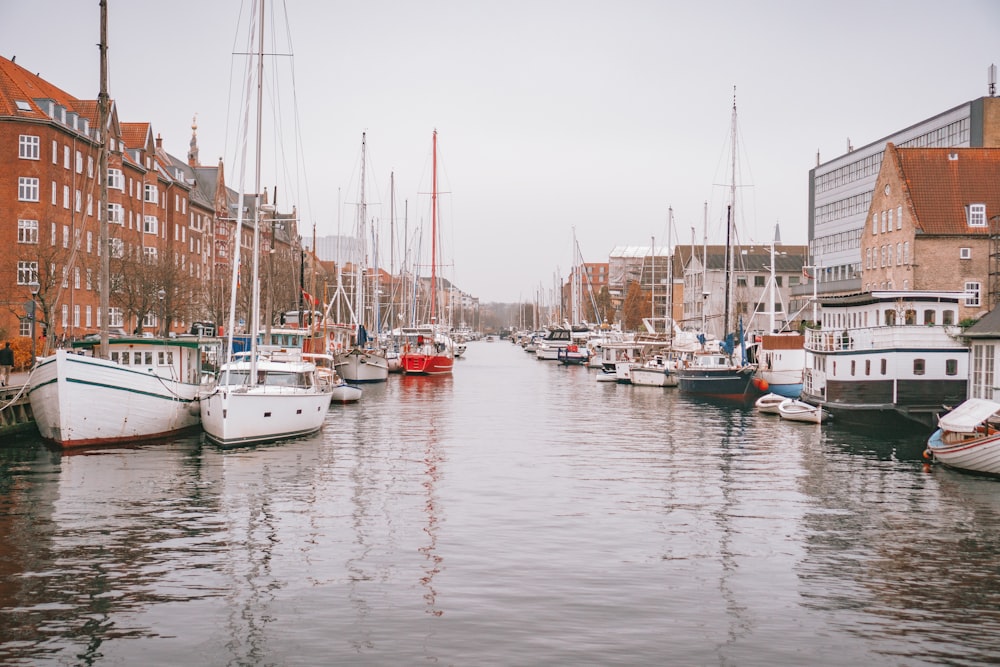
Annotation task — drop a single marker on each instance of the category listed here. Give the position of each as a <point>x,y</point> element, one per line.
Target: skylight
<point>22,105</point>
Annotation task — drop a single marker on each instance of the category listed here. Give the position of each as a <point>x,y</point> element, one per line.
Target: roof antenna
<point>992,76</point>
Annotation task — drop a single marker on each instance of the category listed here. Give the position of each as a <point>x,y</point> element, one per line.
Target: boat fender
<point>928,454</point>
<point>194,408</point>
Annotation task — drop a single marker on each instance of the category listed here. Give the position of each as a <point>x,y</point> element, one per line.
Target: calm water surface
<point>519,513</point>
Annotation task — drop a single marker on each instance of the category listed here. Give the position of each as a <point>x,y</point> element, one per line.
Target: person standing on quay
<point>6,363</point>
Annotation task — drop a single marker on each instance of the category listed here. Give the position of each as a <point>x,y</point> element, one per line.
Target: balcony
<point>884,338</point>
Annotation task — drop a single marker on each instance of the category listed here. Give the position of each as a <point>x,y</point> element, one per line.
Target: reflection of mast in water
<point>734,435</point>
<point>432,563</point>
<point>250,568</point>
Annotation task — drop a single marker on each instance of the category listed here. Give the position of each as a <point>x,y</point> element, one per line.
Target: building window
<point>875,224</point>
<point>149,224</point>
<point>116,214</point>
<point>919,366</point>
<point>758,281</point>
<point>27,189</point>
<point>28,147</point>
<point>26,272</point>
<point>149,253</point>
<point>152,195</point>
<point>114,317</point>
<point>899,217</point>
<point>965,253</point>
<point>65,316</point>
<point>65,196</point>
<point>977,215</point>
<point>906,252</point>
<point>27,231</point>
<point>972,289</point>
<point>981,373</point>
<point>117,248</point>
<point>116,179</point>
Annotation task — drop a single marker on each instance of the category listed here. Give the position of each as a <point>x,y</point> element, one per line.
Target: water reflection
<point>517,513</point>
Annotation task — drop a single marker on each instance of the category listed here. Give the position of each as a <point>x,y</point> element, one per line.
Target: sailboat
<point>360,361</point>
<point>428,349</point>
<point>126,389</point>
<point>266,393</point>
<point>725,374</point>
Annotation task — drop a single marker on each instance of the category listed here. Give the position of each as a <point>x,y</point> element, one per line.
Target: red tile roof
<point>943,182</point>
<point>18,84</point>
<point>135,135</point>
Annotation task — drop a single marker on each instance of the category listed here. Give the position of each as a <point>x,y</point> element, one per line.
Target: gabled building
<point>933,224</point>
<point>704,296</point>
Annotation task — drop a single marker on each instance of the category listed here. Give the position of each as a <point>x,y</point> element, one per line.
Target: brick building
<point>171,222</point>
<point>933,224</point>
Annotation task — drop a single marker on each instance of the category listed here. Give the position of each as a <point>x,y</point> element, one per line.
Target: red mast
<point>434,191</point>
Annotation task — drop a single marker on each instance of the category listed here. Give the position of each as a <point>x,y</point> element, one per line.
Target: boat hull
<point>652,377</point>
<point>235,416</point>
<point>362,366</point>
<point>80,401</point>
<point>980,455</point>
<point>345,393</point>
<point>800,411</point>
<point>427,364</point>
<point>719,383</point>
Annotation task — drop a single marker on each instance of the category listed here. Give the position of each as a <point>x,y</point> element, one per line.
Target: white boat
<point>148,388</point>
<point>271,395</point>
<point>573,355</point>
<point>768,403</point>
<point>657,371</point>
<point>362,365</point>
<point>968,438</point>
<point>460,346</point>
<point>800,411</point>
<point>346,393</point>
<point>887,358</point>
<point>267,393</point>
<point>607,376</point>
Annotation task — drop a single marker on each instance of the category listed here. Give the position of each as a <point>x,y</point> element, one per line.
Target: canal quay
<point>516,513</point>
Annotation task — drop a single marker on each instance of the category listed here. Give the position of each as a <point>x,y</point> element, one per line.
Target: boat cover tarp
<point>967,416</point>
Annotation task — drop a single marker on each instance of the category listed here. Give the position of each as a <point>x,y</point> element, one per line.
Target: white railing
<point>882,338</point>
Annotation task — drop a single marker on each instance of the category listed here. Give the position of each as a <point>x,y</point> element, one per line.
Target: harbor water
<point>517,513</point>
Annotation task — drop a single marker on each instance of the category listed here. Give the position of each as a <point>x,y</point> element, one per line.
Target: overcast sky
<point>553,116</point>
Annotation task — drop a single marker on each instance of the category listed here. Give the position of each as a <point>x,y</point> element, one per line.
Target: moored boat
<point>968,437</point>
<point>795,410</point>
<point>147,389</point>
<point>768,403</point>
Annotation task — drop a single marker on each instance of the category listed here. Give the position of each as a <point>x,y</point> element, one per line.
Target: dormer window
<point>22,105</point>
<point>977,215</point>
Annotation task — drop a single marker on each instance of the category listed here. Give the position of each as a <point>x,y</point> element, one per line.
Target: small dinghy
<point>800,411</point>
<point>768,403</point>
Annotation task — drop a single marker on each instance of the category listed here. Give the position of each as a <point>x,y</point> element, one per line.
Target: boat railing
<point>881,338</point>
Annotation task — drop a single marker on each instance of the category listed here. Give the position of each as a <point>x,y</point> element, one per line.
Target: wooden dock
<point>16,417</point>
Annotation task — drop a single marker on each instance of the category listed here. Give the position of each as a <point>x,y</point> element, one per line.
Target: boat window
<point>114,357</point>
<point>929,316</point>
<point>853,366</point>
<point>919,366</point>
<point>137,358</point>
<point>911,316</point>
<point>148,358</point>
<point>948,317</point>
<point>126,357</point>
<point>883,366</point>
<point>235,377</point>
<point>868,366</point>
<point>890,318</point>
<point>951,367</point>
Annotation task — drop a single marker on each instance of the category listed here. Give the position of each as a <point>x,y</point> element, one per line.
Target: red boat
<point>429,351</point>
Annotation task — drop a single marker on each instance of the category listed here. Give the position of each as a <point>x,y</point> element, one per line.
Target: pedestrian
<point>6,363</point>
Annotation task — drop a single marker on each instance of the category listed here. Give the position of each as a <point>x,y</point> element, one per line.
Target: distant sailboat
<point>428,349</point>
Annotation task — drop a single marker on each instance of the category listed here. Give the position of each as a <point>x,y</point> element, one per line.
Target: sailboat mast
<point>730,223</point>
<point>434,189</point>
<point>103,103</point>
<point>669,322</point>
<point>255,280</point>
<point>359,272</point>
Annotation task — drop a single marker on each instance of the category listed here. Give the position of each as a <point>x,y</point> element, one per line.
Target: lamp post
<point>162,294</point>
<point>33,286</point>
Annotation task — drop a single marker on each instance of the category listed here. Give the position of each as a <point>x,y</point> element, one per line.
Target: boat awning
<point>968,415</point>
